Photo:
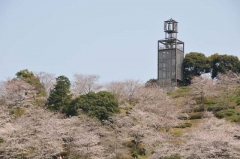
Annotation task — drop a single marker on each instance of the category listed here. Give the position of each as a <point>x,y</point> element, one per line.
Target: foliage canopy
<point>100,105</point>
<point>29,77</point>
<point>196,64</point>
<point>60,97</point>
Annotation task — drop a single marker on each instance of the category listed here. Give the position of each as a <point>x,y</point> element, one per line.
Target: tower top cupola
<point>170,29</point>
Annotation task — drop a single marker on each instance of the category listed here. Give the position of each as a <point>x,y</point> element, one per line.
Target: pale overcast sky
<point>116,40</point>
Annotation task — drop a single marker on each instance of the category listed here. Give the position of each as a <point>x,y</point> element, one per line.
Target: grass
<point>180,92</point>
<point>1,140</point>
<point>176,132</point>
<point>224,113</point>
<point>230,110</point>
<point>123,111</point>
<point>184,125</point>
<point>197,115</point>
<point>17,112</point>
<point>234,118</point>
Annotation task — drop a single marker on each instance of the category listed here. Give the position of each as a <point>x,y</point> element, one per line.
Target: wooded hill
<point>43,116</point>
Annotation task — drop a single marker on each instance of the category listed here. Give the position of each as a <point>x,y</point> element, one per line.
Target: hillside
<point>192,122</point>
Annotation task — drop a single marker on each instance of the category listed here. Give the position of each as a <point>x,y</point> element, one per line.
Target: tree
<point>195,64</point>
<point>117,89</point>
<point>223,64</point>
<point>84,84</point>
<point>201,87</point>
<point>60,97</point>
<point>100,105</point>
<point>47,79</point>
<point>30,78</point>
<point>16,93</point>
<point>227,83</point>
<point>130,88</point>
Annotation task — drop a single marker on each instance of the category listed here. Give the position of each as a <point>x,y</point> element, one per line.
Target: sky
<point>116,40</point>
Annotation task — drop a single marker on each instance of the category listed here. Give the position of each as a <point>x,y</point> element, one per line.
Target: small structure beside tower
<point>170,56</point>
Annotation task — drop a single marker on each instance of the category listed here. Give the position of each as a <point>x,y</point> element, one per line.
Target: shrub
<point>214,108</point>
<point>234,118</point>
<point>100,105</point>
<point>141,151</point>
<point>210,101</point>
<point>238,101</point>
<point>184,125</point>
<point>198,115</point>
<point>224,113</point>
<point>135,154</point>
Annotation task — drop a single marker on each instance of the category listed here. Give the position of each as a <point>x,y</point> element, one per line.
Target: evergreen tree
<point>223,64</point>
<point>195,64</point>
<point>100,105</point>
<point>60,97</point>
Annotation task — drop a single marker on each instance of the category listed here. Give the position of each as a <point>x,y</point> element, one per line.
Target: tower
<point>170,56</point>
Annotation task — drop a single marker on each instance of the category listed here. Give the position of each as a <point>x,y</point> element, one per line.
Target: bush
<point>235,118</point>
<point>214,108</point>
<point>224,113</point>
<point>238,101</point>
<point>100,105</point>
<point>142,151</point>
<point>198,115</point>
<point>210,101</point>
<point>135,154</point>
<point>184,125</point>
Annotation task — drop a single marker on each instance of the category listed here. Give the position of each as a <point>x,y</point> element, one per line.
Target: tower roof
<point>171,20</point>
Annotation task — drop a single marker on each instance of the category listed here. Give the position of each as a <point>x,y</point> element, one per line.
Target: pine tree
<point>60,97</point>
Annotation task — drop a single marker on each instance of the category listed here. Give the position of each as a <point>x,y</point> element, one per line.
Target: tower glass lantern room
<point>170,55</point>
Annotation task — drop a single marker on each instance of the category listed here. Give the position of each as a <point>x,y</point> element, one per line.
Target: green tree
<point>71,109</point>
<point>100,105</point>
<point>195,64</point>
<point>60,97</point>
<point>223,64</point>
<point>29,77</point>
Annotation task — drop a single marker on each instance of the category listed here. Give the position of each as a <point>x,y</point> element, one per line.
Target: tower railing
<point>162,47</point>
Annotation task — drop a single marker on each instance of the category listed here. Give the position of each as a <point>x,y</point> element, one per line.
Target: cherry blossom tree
<point>227,83</point>
<point>130,88</point>
<point>83,84</point>
<point>117,89</point>
<point>201,87</point>
<point>16,91</point>
<point>47,79</point>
